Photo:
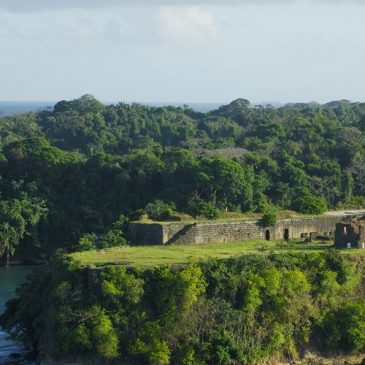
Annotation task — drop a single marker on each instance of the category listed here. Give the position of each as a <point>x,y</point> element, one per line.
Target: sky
<point>182,50</point>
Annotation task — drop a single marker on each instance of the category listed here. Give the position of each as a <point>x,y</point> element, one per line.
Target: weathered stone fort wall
<point>221,232</point>
<point>146,234</point>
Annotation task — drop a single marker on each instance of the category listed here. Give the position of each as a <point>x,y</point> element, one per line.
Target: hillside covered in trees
<point>240,311</point>
<point>71,177</point>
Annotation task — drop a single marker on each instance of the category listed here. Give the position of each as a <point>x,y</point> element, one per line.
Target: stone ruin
<point>305,228</point>
<point>350,233</point>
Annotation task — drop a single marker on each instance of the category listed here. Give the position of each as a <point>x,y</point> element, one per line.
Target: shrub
<point>159,210</point>
<point>357,202</point>
<point>344,330</point>
<point>88,242</point>
<point>136,215</point>
<point>205,209</point>
<point>113,237</point>
<point>307,203</point>
<point>269,218</point>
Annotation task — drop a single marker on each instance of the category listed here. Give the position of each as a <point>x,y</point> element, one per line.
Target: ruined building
<point>224,232</point>
<point>350,233</point>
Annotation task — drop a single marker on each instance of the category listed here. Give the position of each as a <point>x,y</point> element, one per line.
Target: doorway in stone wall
<point>286,234</point>
<point>267,235</point>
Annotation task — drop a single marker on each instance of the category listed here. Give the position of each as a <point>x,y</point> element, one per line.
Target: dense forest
<point>72,176</point>
<point>238,311</point>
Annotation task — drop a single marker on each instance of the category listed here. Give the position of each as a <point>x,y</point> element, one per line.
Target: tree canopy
<point>91,163</point>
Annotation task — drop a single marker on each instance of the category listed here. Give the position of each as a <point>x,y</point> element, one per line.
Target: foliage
<point>344,329</point>
<point>201,208</point>
<point>307,203</point>
<point>241,310</point>
<point>269,218</point>
<point>159,210</point>
<point>17,218</point>
<point>90,163</point>
<point>113,237</point>
<point>137,215</point>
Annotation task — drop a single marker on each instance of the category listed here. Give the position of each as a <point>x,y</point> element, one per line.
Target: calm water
<point>18,107</point>
<point>10,278</point>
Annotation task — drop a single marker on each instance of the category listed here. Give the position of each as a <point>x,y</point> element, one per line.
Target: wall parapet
<point>224,232</point>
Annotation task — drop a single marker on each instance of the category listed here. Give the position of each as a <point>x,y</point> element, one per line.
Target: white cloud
<point>182,50</point>
<point>186,25</point>
<point>75,27</point>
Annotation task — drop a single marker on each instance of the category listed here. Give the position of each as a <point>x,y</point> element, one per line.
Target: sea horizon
<point>8,108</point>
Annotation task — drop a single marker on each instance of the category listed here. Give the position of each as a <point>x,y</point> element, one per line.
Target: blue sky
<point>182,51</point>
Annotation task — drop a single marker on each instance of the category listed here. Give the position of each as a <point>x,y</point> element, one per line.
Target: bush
<point>199,207</point>
<point>344,330</point>
<point>269,218</point>
<point>88,242</point>
<point>113,237</point>
<point>307,203</point>
<point>357,202</point>
<point>159,210</point>
<point>136,215</point>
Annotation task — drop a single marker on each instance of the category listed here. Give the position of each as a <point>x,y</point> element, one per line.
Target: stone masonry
<point>221,232</point>
<point>350,233</point>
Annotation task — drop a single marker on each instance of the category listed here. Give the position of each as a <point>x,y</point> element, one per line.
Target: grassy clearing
<point>151,256</point>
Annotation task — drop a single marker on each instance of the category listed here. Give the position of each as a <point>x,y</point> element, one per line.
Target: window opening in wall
<point>286,234</point>
<point>267,235</point>
<point>345,230</point>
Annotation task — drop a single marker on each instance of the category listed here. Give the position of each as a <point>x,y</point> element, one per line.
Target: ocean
<point>18,107</point>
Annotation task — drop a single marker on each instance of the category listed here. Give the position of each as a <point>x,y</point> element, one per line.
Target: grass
<point>151,256</point>
<point>224,217</point>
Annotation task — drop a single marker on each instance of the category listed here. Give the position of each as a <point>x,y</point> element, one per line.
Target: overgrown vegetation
<point>269,218</point>
<point>81,166</point>
<point>237,311</point>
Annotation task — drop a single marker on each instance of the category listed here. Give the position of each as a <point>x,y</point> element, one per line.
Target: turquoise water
<point>10,278</point>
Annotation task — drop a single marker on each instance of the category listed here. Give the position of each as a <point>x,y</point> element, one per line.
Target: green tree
<point>17,217</point>
<point>307,203</point>
<point>344,329</point>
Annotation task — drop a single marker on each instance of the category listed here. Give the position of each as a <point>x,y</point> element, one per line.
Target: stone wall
<point>350,234</point>
<point>145,234</point>
<point>221,232</point>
